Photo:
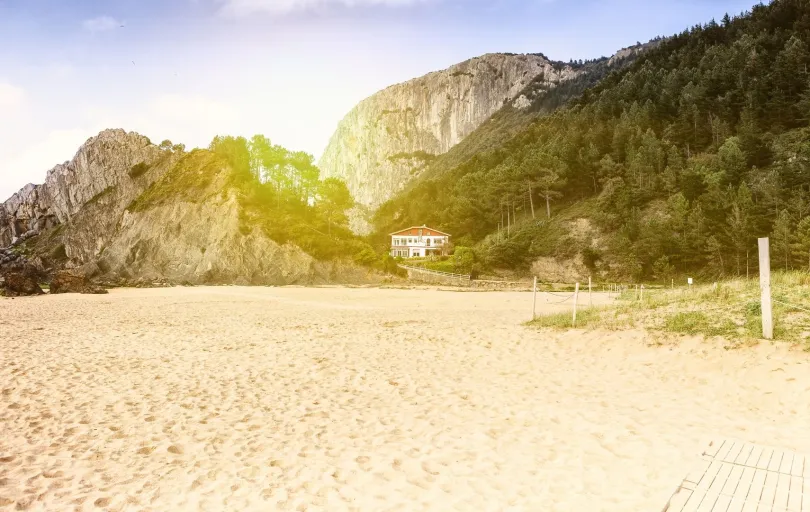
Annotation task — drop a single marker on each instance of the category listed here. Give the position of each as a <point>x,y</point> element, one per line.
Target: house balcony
<point>420,245</point>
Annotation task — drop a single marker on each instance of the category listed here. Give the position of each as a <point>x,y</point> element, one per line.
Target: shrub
<point>464,259</point>
<point>366,257</point>
<point>590,257</point>
<point>138,169</point>
<point>59,254</point>
<point>389,264</point>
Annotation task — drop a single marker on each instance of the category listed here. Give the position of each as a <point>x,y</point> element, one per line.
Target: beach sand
<point>229,398</point>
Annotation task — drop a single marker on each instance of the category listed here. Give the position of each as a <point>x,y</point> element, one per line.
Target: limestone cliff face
<point>198,238</point>
<point>102,168</point>
<point>387,139</point>
<point>124,211</point>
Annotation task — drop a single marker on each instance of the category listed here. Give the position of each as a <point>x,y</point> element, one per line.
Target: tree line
<point>282,195</point>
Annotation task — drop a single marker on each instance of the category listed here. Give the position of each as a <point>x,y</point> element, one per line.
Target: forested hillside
<point>540,98</point>
<point>282,193</point>
<point>677,163</point>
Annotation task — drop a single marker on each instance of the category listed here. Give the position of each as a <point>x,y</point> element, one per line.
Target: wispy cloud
<point>101,24</point>
<point>10,96</point>
<point>238,8</point>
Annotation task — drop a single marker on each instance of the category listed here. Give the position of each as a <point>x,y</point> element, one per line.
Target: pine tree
<point>801,242</point>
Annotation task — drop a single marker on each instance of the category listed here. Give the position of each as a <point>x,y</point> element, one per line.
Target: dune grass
<point>729,309</point>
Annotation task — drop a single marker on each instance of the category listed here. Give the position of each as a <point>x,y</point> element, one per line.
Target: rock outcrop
<point>125,211</point>
<point>199,238</point>
<point>390,137</point>
<point>18,284</point>
<point>103,166</point>
<point>72,281</point>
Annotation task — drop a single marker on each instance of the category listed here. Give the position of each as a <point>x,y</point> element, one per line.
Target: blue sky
<point>187,70</point>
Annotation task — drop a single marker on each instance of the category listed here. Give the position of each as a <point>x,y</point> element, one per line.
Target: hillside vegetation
<point>543,98</point>
<point>281,193</point>
<point>729,309</point>
<point>676,163</point>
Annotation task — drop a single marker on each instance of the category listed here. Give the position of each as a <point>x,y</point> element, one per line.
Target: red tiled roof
<point>414,231</point>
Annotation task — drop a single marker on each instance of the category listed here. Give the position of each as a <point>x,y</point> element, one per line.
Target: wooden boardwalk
<point>735,476</point>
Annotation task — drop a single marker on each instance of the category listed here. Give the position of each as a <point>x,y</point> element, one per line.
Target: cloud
<point>238,8</point>
<point>101,24</point>
<point>10,96</point>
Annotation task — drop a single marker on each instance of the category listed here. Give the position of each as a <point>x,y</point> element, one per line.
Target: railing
<point>420,245</point>
<point>436,272</point>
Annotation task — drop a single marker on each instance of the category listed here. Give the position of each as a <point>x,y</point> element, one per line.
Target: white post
<point>590,297</point>
<point>765,287</point>
<point>534,299</point>
<point>576,297</point>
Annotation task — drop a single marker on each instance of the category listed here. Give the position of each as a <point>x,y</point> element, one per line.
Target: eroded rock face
<point>72,281</point>
<point>18,284</point>
<point>101,169</point>
<point>388,139</point>
<point>90,221</point>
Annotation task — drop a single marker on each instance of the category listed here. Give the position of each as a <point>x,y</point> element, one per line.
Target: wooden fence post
<point>576,297</point>
<point>641,293</point>
<point>765,287</point>
<point>534,299</point>
<point>590,297</point>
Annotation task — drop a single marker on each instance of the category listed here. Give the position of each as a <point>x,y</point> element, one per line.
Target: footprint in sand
<point>428,468</point>
<point>146,450</point>
<point>102,502</point>
<point>177,450</point>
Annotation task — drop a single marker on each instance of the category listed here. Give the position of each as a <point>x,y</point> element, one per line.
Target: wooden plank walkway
<point>735,476</point>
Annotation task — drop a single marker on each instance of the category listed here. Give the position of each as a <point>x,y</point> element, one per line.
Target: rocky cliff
<point>124,210</point>
<point>101,167</point>
<point>390,137</point>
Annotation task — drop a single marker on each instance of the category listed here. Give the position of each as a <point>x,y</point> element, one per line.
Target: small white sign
<point>689,280</point>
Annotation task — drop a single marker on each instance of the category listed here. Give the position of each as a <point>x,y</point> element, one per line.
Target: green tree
<point>783,239</point>
<point>801,242</point>
<point>663,269</point>
<point>260,152</point>
<point>732,160</point>
<point>740,224</point>
<point>715,249</point>
<point>464,259</point>
<point>235,151</point>
<point>333,200</point>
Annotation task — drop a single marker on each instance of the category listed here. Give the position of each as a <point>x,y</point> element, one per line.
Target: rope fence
<point>639,290</point>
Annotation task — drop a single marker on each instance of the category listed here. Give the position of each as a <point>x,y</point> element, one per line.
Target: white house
<point>418,242</point>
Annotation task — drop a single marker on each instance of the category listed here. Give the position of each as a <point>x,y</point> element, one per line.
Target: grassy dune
<point>729,309</point>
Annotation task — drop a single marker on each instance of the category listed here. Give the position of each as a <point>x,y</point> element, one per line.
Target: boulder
<point>18,284</point>
<point>72,281</point>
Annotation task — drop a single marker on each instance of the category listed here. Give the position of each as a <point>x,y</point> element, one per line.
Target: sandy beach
<point>229,398</point>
